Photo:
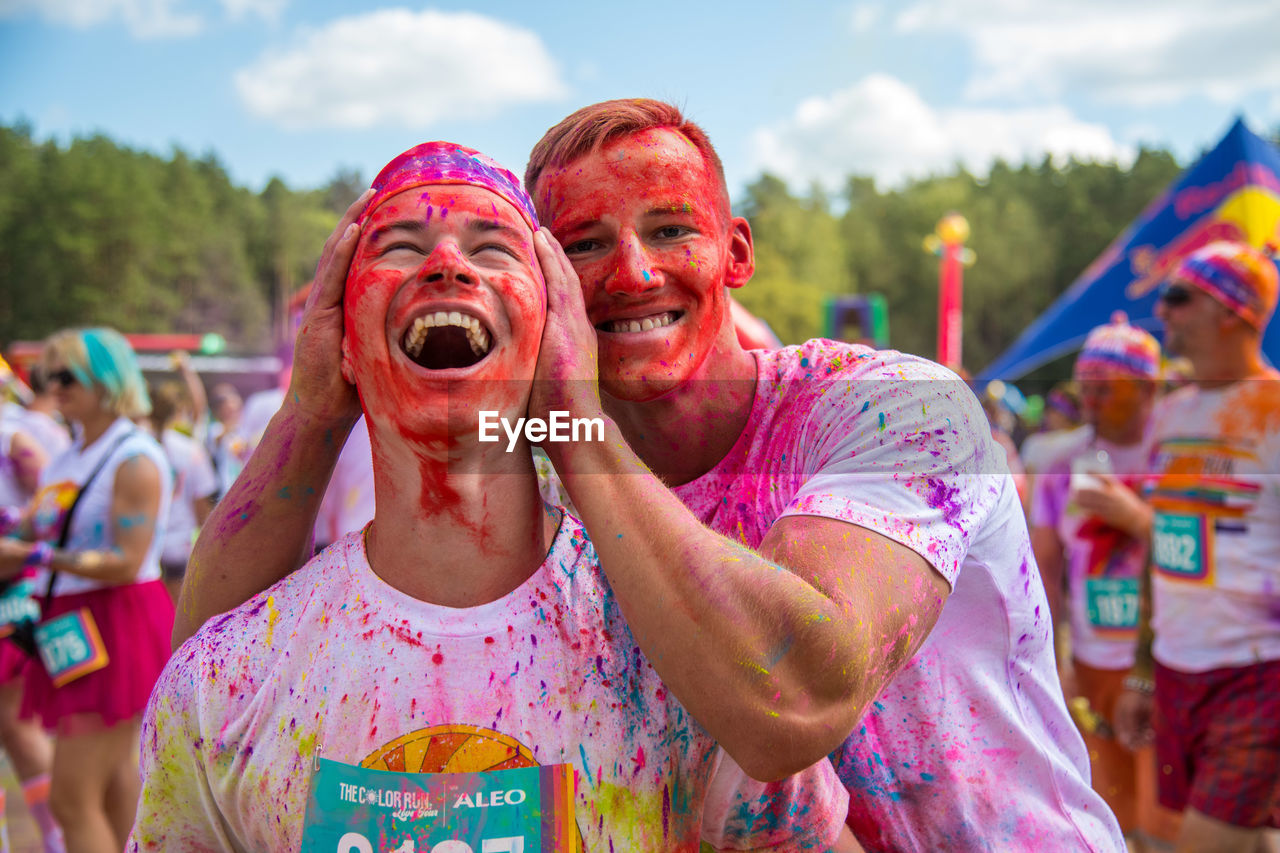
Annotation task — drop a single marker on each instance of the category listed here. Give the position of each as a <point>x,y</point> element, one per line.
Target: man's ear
<point>742,253</point>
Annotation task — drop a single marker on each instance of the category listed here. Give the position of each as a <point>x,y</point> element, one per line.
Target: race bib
<point>358,810</point>
<point>70,646</point>
<point>1113,604</point>
<point>1180,547</point>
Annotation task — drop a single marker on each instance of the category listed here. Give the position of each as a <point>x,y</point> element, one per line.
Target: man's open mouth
<point>445,340</point>
<point>640,324</point>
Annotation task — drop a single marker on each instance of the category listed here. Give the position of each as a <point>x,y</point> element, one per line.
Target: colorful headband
<point>1239,276</point>
<point>447,163</point>
<point>1118,349</point>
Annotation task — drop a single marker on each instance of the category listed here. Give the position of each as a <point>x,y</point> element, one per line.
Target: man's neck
<point>1127,436</point>
<point>1228,365</point>
<point>461,530</point>
<point>687,432</point>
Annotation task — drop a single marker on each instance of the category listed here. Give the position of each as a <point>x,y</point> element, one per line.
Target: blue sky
<point>810,91</point>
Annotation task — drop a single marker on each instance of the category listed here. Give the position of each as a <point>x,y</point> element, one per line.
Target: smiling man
<point>807,543</point>
<point>469,626</point>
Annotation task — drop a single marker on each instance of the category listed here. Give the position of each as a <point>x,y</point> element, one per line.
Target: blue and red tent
<point>1232,193</point>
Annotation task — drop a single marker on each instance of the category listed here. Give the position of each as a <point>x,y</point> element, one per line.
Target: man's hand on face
<point>317,386</point>
<point>568,374</point>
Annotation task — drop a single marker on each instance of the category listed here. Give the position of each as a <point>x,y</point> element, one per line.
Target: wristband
<point>1145,686</point>
<point>40,556</point>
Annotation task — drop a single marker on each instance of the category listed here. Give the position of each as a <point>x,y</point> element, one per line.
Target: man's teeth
<point>657,321</point>
<point>476,334</point>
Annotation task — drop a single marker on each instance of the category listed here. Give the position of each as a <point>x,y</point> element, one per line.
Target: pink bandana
<point>447,163</point>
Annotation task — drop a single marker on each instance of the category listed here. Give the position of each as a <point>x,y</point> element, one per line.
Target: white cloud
<point>881,126</point>
<point>1138,52</point>
<point>864,17</point>
<point>143,18</point>
<point>403,68</point>
<point>267,10</point>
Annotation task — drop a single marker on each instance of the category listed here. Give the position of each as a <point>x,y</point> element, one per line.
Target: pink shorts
<point>13,661</point>
<point>135,622</point>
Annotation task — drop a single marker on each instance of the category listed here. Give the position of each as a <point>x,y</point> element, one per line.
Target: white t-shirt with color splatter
<point>1104,565</point>
<point>333,658</point>
<point>1216,539</point>
<point>970,747</point>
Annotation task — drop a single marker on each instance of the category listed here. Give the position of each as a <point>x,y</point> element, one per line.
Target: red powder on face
<point>437,658</point>
<point>642,222</point>
<point>409,263</point>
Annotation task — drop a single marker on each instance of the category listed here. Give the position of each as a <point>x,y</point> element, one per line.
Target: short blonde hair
<point>101,358</point>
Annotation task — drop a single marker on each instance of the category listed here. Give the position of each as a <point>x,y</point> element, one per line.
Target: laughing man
<point>469,626</point>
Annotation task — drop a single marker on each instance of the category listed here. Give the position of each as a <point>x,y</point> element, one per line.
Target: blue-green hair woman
<point>92,550</point>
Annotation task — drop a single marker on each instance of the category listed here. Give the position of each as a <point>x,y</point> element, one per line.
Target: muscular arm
<point>802,634</point>
<point>261,530</point>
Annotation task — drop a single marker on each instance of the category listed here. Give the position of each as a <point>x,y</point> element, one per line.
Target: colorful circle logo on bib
<point>450,749</point>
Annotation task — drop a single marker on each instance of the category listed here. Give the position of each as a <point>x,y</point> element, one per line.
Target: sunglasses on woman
<point>1174,295</point>
<point>64,378</point>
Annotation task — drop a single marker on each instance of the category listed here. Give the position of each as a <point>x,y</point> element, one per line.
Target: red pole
<point>950,308</point>
<point>947,242</point>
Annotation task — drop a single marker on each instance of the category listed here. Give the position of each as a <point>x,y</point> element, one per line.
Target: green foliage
<point>800,258</point>
<point>1035,228</point>
<point>97,234</point>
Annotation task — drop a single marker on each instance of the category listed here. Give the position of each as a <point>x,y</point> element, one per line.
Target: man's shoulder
<point>832,379</point>
<point>820,358</point>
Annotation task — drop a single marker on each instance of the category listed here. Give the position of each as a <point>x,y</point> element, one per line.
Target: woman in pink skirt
<point>103,636</point>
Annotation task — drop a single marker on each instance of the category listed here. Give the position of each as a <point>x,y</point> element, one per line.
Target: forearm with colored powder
<point>715,618</point>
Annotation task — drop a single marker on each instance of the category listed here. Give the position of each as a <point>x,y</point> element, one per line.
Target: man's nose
<point>446,264</point>
<point>634,273</point>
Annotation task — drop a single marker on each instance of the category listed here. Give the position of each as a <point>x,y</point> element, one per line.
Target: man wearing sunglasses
<point>1216,559</point>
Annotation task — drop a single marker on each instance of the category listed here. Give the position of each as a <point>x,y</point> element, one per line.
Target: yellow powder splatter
<point>755,666</point>
<point>272,616</point>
